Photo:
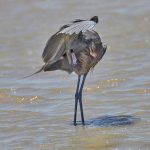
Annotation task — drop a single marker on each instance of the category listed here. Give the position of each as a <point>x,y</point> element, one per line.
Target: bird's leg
<point>80,97</point>
<point>76,99</point>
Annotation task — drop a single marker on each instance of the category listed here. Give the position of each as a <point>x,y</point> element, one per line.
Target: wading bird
<point>76,47</point>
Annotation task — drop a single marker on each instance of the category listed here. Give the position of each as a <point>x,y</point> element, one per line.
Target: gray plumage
<point>78,26</point>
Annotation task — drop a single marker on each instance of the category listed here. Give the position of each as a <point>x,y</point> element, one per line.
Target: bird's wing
<point>61,41</point>
<point>54,48</point>
<point>77,26</point>
<point>57,46</point>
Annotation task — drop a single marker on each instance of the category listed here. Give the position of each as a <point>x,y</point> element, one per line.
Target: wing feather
<point>57,46</point>
<point>78,26</point>
<point>54,48</point>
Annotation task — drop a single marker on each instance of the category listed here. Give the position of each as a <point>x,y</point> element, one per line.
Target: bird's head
<point>95,19</point>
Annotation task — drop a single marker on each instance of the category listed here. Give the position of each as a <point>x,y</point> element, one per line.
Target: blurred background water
<point>37,113</point>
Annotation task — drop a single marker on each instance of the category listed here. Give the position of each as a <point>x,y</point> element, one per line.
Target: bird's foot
<point>75,123</point>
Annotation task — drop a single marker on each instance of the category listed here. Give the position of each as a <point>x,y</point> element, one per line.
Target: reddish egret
<point>76,47</point>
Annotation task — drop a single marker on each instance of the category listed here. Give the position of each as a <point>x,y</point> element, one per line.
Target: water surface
<point>37,113</point>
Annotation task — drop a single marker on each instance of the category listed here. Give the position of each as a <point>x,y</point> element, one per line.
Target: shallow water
<point>37,113</point>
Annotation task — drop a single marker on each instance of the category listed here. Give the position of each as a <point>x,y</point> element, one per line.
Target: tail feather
<point>40,70</point>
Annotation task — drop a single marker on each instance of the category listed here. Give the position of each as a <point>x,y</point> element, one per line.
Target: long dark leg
<point>80,97</point>
<point>76,99</point>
